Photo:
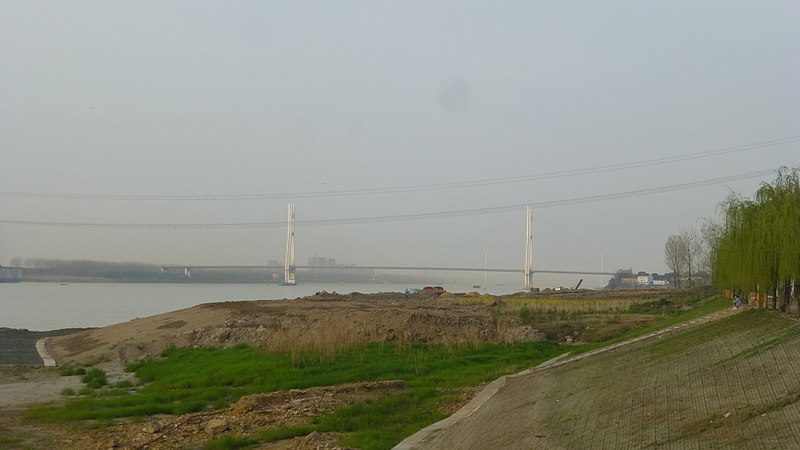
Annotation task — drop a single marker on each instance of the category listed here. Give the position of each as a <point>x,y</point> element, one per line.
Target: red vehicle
<point>434,289</point>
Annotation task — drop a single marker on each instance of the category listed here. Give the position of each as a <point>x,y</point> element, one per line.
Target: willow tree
<point>759,247</point>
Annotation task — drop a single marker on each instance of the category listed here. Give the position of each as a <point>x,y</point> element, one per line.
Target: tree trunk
<point>797,294</point>
<point>774,290</point>
<point>786,299</point>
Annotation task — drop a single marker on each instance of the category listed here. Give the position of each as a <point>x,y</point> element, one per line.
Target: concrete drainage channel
<point>41,348</point>
<point>420,437</point>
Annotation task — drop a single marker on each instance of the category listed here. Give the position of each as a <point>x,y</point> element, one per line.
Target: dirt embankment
<point>314,323</point>
<point>310,323</point>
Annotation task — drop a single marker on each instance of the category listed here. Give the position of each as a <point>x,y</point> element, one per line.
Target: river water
<point>52,306</point>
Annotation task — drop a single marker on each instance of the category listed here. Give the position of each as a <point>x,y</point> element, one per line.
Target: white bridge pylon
<point>289,264</point>
<point>529,249</point>
<point>290,267</point>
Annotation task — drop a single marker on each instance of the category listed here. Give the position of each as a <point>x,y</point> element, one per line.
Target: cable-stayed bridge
<point>290,267</point>
<point>188,268</point>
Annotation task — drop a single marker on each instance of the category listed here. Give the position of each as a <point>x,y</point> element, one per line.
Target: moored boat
<point>10,275</point>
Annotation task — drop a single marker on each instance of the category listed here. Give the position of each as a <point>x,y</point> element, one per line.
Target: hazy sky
<point>165,108</point>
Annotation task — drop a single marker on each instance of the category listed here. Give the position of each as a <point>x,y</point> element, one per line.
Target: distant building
<point>321,261</point>
<point>627,279</point>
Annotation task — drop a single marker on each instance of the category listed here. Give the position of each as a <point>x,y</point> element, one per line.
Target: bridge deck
<point>423,268</point>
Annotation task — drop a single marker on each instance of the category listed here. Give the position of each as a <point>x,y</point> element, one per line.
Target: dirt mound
<point>314,323</point>
<point>309,324</point>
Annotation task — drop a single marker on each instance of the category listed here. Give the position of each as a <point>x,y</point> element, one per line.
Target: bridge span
<point>290,267</point>
<point>188,268</point>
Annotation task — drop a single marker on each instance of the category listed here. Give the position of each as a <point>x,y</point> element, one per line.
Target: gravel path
<point>35,386</point>
<point>729,384</point>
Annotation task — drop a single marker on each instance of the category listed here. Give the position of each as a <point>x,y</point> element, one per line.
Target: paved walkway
<point>502,414</point>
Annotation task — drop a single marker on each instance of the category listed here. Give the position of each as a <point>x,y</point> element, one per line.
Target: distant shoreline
<point>215,277</point>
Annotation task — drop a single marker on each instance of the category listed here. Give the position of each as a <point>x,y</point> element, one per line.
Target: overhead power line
<point>417,188</point>
<point>404,217</point>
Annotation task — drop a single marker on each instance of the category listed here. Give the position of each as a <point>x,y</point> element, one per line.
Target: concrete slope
<point>727,381</point>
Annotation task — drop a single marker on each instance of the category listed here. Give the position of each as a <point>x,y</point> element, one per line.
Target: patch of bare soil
<point>21,386</point>
<point>24,385</point>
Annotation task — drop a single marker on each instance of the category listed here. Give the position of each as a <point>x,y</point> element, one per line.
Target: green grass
<point>383,422</point>
<point>777,330</point>
<point>189,380</point>
<point>68,392</point>
<point>676,313</point>
<point>231,442</point>
<point>124,384</point>
<point>94,379</point>
<point>277,434</point>
<point>17,441</point>
<point>8,441</point>
<point>69,370</point>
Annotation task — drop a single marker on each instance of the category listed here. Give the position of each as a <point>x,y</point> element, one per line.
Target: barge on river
<point>10,275</point>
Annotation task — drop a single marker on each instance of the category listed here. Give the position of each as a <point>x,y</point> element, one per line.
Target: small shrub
<point>230,442</point>
<point>278,434</point>
<point>68,392</point>
<point>95,379</point>
<point>525,315</point>
<point>124,384</point>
